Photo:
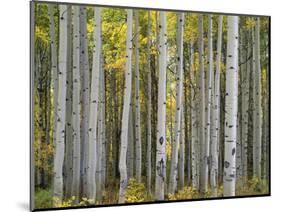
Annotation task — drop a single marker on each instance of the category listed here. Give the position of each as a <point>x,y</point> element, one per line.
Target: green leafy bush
<point>43,198</point>
<point>253,186</point>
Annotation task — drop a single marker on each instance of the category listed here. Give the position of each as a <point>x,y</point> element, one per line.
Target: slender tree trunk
<point>258,107</point>
<point>85,85</point>
<point>203,157</point>
<point>131,139</point>
<point>60,131</point>
<point>94,97</point>
<point>100,170</point>
<point>76,103</point>
<point>68,164</point>
<point>115,123</point>
<point>102,127</point>
<point>216,115</point>
<point>137,102</point>
<point>126,108</point>
<point>99,148</point>
<point>161,113</point>
<point>194,124</point>
<point>182,147</point>
<point>231,107</point>
<point>148,159</point>
<point>245,72</point>
<point>177,129</point>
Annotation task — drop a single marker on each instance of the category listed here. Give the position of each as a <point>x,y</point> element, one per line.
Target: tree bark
<point>68,164</point>
<point>148,159</point>
<point>194,123</point>
<point>203,156</point>
<point>85,86</point>
<point>231,107</point>
<point>60,131</point>
<point>177,129</point>
<point>216,114</point>
<point>94,98</point>
<point>126,108</point>
<point>257,121</point>
<point>76,103</point>
<point>137,102</point>
<point>161,113</point>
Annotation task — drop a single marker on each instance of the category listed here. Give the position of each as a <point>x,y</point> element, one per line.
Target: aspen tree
<point>126,108</point>
<point>203,157</point>
<point>85,98</point>
<point>93,113</point>
<point>258,105</point>
<point>137,102</point>
<point>161,113</point>
<point>231,107</point>
<point>60,131</point>
<point>194,124</point>
<point>179,87</point>
<point>216,114</point>
<point>76,103</point>
<point>148,168</point>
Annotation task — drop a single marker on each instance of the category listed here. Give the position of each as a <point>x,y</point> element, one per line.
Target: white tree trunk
<point>177,129</point>
<point>131,140</point>
<point>103,131</point>
<point>257,121</point>
<point>161,113</point>
<point>239,146</point>
<point>231,107</point>
<point>202,134</point>
<point>182,147</point>
<point>148,168</point>
<point>100,170</point>
<point>68,164</point>
<point>76,103</point>
<point>94,107</point>
<point>60,131</point>
<point>101,154</point>
<point>126,108</point>
<point>137,102</point>
<point>216,114</point>
<point>245,108</point>
<point>85,85</point>
<point>194,124</point>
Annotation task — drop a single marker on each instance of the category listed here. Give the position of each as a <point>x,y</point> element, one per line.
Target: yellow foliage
<point>72,202</point>
<point>185,193</point>
<point>136,192</point>
<point>42,35</point>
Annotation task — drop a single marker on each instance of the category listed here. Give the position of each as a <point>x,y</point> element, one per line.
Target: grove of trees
<point>134,105</point>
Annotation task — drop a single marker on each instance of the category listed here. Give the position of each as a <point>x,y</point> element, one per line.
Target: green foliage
<point>136,192</point>
<point>253,186</point>
<point>43,198</point>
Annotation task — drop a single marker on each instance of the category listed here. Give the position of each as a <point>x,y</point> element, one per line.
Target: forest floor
<point>137,192</point>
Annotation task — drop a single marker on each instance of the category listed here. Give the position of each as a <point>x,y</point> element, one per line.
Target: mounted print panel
<point>133,105</point>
